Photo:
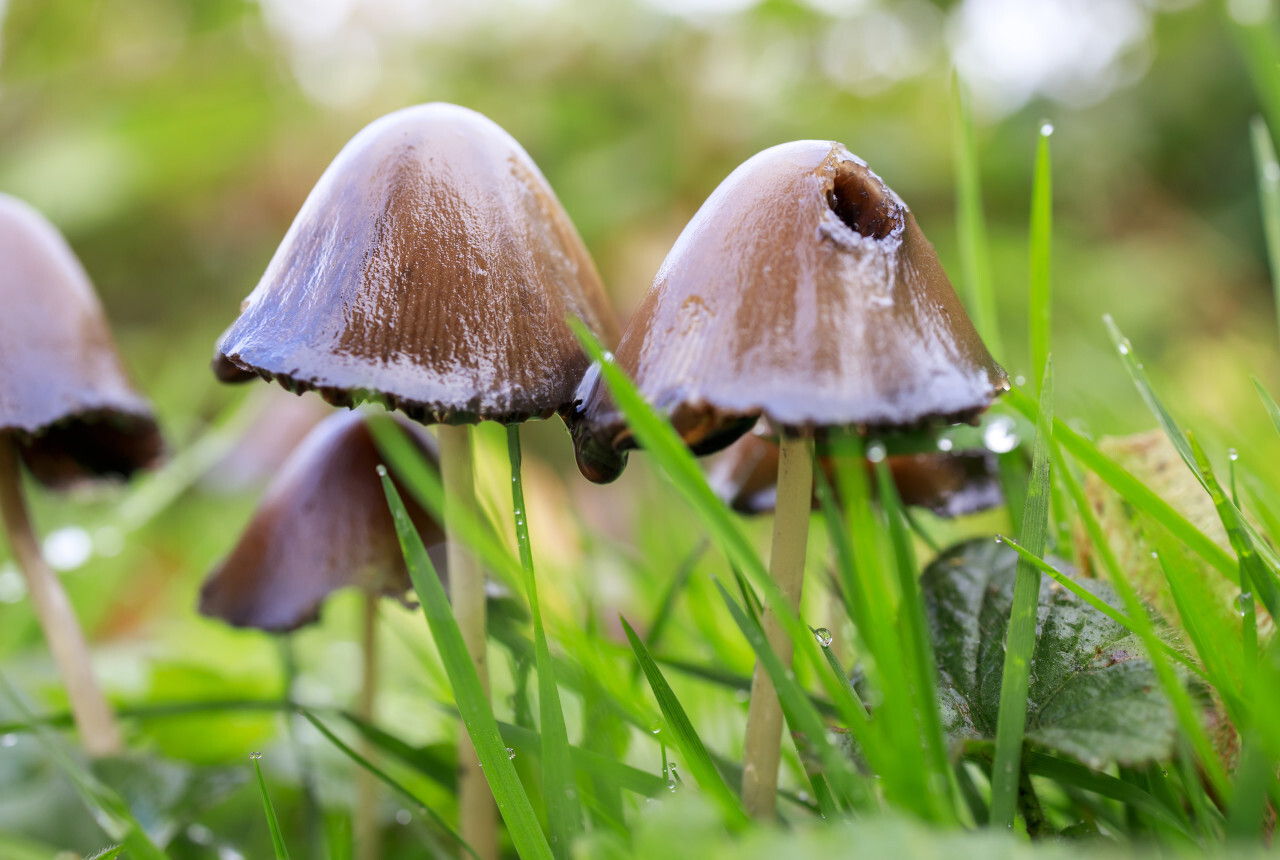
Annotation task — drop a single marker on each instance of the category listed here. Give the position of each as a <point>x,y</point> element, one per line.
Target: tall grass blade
<point>513,802</point>
<point>1268,168</point>
<point>1249,805</point>
<point>273,824</point>
<point>1020,646</point>
<point>564,814</point>
<point>1041,248</point>
<point>685,736</point>
<point>971,225</point>
<point>1273,409</point>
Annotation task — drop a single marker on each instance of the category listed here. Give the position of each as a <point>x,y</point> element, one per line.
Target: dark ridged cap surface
<point>323,524</point>
<point>803,290</point>
<point>433,268</point>
<point>64,393</point>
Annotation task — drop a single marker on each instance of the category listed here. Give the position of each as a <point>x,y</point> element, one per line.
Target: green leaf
<point>513,802</point>
<point>1093,693</point>
<point>685,736</point>
<point>273,824</point>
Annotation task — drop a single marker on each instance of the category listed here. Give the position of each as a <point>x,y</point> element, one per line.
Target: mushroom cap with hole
<point>64,395</point>
<point>950,484</point>
<point>803,291</point>
<point>432,269</point>
<point>323,524</point>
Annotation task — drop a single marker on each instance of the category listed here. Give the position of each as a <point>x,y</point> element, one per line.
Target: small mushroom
<point>69,412</point>
<point>323,524</point>
<point>431,269</point>
<point>803,291</point>
<point>948,483</point>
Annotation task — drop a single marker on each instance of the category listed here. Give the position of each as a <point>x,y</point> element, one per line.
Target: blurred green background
<point>174,141</point>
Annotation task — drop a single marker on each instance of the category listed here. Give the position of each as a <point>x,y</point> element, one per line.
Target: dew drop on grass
<point>510,753</point>
<point>1019,380</point>
<point>255,755</point>
<point>999,435</point>
<point>876,452</point>
<point>999,538</point>
<point>824,637</point>
<point>1233,454</point>
<point>944,444</point>
<point>403,816</point>
<point>1046,128</point>
<point>1124,347</point>
<point>1242,602</point>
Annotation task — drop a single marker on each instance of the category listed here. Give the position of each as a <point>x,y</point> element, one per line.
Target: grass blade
<point>971,225</point>
<point>1267,400</point>
<point>686,738</point>
<point>1041,247</point>
<point>1021,643</point>
<point>564,815</point>
<point>273,824</point>
<point>1073,773</point>
<point>513,802</point>
<point>1264,159</point>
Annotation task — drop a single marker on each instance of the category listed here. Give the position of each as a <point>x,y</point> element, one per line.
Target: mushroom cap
<point>323,524</point>
<point>951,484</point>
<point>64,394</point>
<point>431,268</point>
<point>803,290</point>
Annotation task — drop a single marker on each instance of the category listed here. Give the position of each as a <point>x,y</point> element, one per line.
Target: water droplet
<point>876,452</point>
<point>1124,347</point>
<point>1046,128</point>
<point>824,637</point>
<point>999,435</point>
<point>67,548</point>
<point>255,755</point>
<point>403,816</point>
<point>510,753</point>
<point>1019,380</point>
<point>657,729</point>
<point>999,538</point>
<point>944,444</point>
<point>8,740</point>
<point>1243,602</point>
<point>607,356</point>
<point>1155,554</point>
<point>382,471</point>
<point>1233,454</point>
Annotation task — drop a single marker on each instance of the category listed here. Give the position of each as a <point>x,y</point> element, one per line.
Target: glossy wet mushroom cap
<point>950,484</point>
<point>431,268</point>
<point>323,524</point>
<point>64,394</point>
<point>804,291</point>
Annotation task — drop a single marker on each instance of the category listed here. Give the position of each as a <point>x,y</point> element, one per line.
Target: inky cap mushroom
<point>432,268</point>
<point>803,290</point>
<point>64,396</point>
<point>951,484</point>
<point>323,524</point>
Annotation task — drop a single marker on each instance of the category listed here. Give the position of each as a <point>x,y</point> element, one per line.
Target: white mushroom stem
<point>368,833</point>
<point>786,565</point>
<point>94,718</point>
<point>477,815</point>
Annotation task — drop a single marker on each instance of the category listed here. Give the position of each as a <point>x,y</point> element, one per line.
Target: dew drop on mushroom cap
<point>64,395</point>
<point>432,268</point>
<point>804,291</point>
<point>323,524</point>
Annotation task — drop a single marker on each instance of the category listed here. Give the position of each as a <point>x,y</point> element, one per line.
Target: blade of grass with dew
<point>1137,494</point>
<point>1041,297</point>
<point>971,224</point>
<point>513,802</point>
<point>1096,602</point>
<point>1268,169</point>
<point>273,824</point>
<point>109,809</point>
<point>564,814</point>
<point>664,446</point>
<point>1021,642</point>
<point>686,738</point>
<point>387,779</point>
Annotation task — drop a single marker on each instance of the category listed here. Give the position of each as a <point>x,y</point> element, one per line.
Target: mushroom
<point>802,291</point>
<point>69,412</point>
<point>431,269</point>
<point>949,483</point>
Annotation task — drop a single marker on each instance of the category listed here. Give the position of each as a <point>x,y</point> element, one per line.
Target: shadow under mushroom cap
<point>803,290</point>
<point>64,395</point>
<point>431,268</point>
<point>323,524</point>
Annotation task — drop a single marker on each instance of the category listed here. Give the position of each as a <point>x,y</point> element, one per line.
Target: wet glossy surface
<point>432,267</point>
<point>950,484</point>
<point>802,290</point>
<point>64,394</point>
<point>323,524</point>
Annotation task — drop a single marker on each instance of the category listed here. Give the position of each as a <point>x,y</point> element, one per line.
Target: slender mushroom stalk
<point>786,566</point>
<point>477,816</point>
<point>69,414</point>
<point>93,716</point>
<point>805,292</point>
<point>431,269</point>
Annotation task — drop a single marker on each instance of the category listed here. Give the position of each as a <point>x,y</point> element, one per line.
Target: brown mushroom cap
<point>432,268</point>
<point>951,484</point>
<point>804,291</point>
<point>323,524</point>
<point>64,394</point>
